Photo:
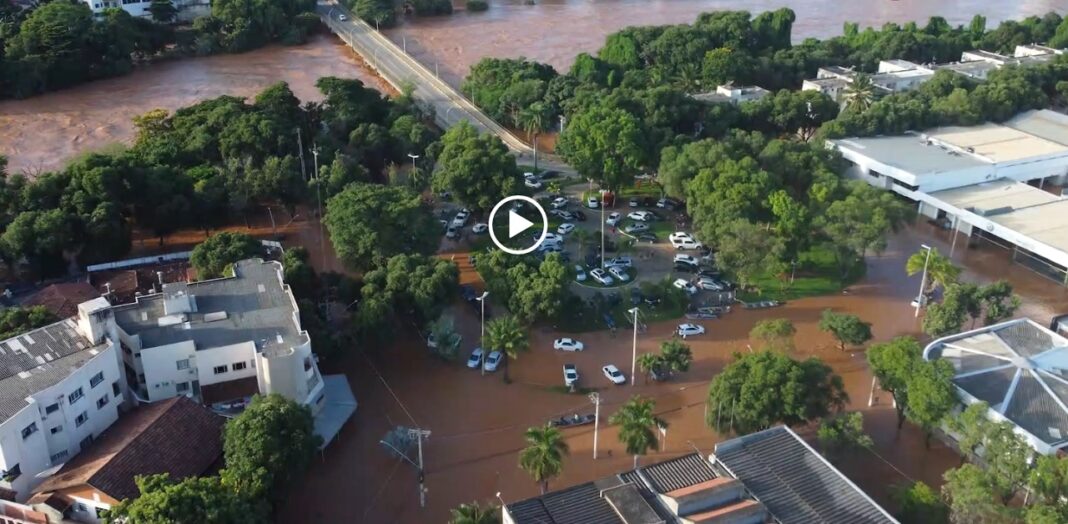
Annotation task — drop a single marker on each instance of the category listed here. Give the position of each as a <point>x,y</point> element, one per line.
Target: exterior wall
<point>208,359</point>
<point>88,503</point>
<point>293,374</point>
<point>134,7</point>
<point>161,370</point>
<point>34,453</point>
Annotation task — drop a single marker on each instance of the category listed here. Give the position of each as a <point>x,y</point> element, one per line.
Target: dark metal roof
<point>794,482</point>
<point>581,504</point>
<point>679,473</point>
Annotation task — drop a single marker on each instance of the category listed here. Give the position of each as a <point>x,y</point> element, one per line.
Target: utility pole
<point>300,151</point>
<point>634,350</point>
<point>319,195</point>
<point>602,229</point>
<point>274,228</point>
<point>596,399</point>
<point>419,435</point>
<point>953,246</point>
<point>923,280</point>
<point>663,433</point>
<point>482,332</point>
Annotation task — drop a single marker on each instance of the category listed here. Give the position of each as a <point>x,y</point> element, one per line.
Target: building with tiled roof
<point>770,476</point>
<point>62,299</point>
<point>1020,369</point>
<point>177,436</point>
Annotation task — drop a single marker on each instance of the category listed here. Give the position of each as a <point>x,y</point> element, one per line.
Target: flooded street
<point>41,133</point>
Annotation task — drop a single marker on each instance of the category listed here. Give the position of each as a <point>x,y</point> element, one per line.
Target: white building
<point>1020,369</point>
<point>730,93</point>
<point>187,9</point>
<point>987,181</point>
<point>893,76</point>
<point>61,387</point>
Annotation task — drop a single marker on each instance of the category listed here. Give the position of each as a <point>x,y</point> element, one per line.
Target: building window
<point>183,364</point>
<point>219,370</point>
<point>57,429</point>
<point>238,366</point>
<point>51,408</point>
<point>76,396</point>
<point>181,387</point>
<point>115,389</point>
<point>12,473</point>
<point>29,430</point>
<point>81,419</point>
<point>96,380</point>
<point>58,456</point>
<point>85,442</point>
<point>103,401</point>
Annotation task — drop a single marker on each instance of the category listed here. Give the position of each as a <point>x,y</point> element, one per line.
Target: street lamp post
<point>319,197</point>
<point>923,279</point>
<point>413,157</point>
<point>634,349</point>
<point>596,399</point>
<point>602,229</point>
<point>482,333</point>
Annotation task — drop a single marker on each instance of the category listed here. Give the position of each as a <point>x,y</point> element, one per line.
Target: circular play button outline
<point>544,225</point>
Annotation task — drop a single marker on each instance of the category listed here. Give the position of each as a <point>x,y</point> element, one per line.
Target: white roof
<point>1027,210</point>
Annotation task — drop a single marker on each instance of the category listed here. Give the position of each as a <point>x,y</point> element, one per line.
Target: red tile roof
<point>62,299</point>
<point>176,436</point>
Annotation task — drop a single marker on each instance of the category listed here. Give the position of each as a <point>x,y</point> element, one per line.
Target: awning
<point>338,406</point>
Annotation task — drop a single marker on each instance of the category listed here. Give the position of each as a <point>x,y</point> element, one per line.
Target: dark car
<point>710,273</point>
<point>579,215</point>
<point>647,237</point>
<point>648,202</point>
<point>685,268</point>
<point>635,296</point>
<point>549,174</point>
<point>593,260</point>
<point>468,293</point>
<point>651,300</point>
<point>635,202</point>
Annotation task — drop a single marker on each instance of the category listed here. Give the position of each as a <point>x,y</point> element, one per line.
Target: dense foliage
<point>212,257</point>
<point>476,168</point>
<point>17,320</point>
<point>52,45</point>
<point>533,290</point>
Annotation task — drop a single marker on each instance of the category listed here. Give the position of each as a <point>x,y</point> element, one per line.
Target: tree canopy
<point>195,499</point>
<point>846,328</point>
<point>476,168</point>
<point>369,223</point>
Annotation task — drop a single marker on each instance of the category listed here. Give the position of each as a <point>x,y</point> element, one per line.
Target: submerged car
<point>614,374</point>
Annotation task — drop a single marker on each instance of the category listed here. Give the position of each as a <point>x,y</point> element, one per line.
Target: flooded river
<point>41,133</point>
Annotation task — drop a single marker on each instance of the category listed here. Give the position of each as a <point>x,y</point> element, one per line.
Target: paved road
<point>399,68</point>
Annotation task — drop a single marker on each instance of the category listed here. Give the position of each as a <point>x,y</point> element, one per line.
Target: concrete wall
<point>208,359</point>
<point>161,369</point>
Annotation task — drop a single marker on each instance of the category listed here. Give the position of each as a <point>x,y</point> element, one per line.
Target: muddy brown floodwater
<point>40,133</point>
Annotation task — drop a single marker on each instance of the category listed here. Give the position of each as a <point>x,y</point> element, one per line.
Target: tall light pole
<point>414,158</point>
<point>596,399</point>
<point>482,334</point>
<point>319,196</point>
<point>602,229</point>
<point>923,279</point>
<point>634,349</point>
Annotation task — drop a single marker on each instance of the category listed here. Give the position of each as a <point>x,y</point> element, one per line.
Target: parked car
<point>579,215</point>
<point>593,203</point>
<point>680,240</point>
<point>566,216</point>
<point>619,261</point>
<point>558,203</point>
<point>453,232</point>
<point>343,18</point>
<point>571,375</point>
<point>710,273</point>
<point>710,284</point>
<point>593,259</point>
<point>636,228</point>
<point>640,216</point>
<point>686,259</point>
<point>550,238</point>
<point>647,237</point>
<point>475,359</point>
<point>546,175</point>
<point>493,360</point>
<point>667,203</point>
<point>685,268</point>
<point>550,247</point>
<point>480,228</point>
<point>614,374</point>
<point>685,285</point>
<point>601,276</point>
<point>689,330</point>
<point>635,202</point>
<point>565,228</point>
<point>580,274</point>
<point>613,219</point>
<point>568,344</point>
<point>532,183</point>
<point>620,273</point>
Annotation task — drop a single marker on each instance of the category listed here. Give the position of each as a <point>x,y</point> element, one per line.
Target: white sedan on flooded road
<point>568,344</point>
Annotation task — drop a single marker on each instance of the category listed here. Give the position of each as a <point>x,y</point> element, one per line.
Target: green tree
<point>533,120</point>
<point>940,269</point>
<point>507,335</point>
<point>805,390</point>
<point>195,499</point>
<point>543,458</point>
<point>476,168</point>
<point>605,144</point>
<point>846,328</point>
<point>638,425</point>
<point>774,333</point>
<point>163,11</point>
<point>920,504</point>
<point>474,513</point>
<point>948,317</point>
<point>893,363</point>
<point>931,395</point>
<point>369,223</point>
<point>999,302</point>
<point>860,93</point>
<point>651,364</point>
<point>748,252</point>
<point>299,274</point>
<point>212,257</point>
<point>413,287</point>
<point>17,320</point>
<point>843,433</point>
<point>268,447</point>
<point>676,356</point>
<point>861,221</point>
<point>971,427</point>
<point>970,494</point>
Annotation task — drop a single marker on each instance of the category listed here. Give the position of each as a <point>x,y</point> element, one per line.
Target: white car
<point>686,286</point>
<point>619,272</point>
<point>558,203</point>
<point>613,219</point>
<point>679,236</point>
<point>686,259</point>
<point>550,248</point>
<point>614,374</point>
<point>689,330</point>
<point>568,344</point>
<point>343,18</point>
<point>571,375</point>
<point>640,216</point>
<point>711,284</point>
<point>479,228</point>
<point>636,228</point>
<point>460,220</point>
<point>565,228</point>
<point>580,274</point>
<point>493,360</point>
<point>593,203</point>
<point>475,359</point>
<point>532,183</point>
<point>601,276</point>
<point>680,240</point>
<point>619,261</point>
<point>550,238</point>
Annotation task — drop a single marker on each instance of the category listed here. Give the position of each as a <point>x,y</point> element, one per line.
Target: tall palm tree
<point>533,121</point>
<point>474,513</point>
<point>650,363</point>
<point>637,426</point>
<point>940,269</point>
<point>543,458</point>
<point>507,335</point>
<point>676,356</point>
<point>860,94</point>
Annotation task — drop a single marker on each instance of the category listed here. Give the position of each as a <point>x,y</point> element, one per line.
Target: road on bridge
<point>398,68</point>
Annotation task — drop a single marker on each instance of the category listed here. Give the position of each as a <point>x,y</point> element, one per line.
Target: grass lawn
<point>817,274</point>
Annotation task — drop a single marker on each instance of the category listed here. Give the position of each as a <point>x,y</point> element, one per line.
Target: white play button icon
<point>518,223</point>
